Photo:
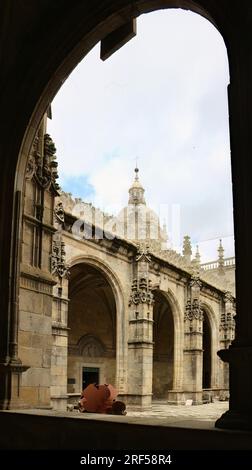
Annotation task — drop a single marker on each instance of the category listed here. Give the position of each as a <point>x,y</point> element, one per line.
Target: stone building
<point>29,81</point>
<point>102,299</point>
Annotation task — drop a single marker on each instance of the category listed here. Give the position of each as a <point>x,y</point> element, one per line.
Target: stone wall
<point>36,282</point>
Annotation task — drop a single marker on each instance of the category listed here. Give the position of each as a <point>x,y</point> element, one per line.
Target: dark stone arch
<point>207,353</point>
<point>163,351</point>
<point>33,29</point>
<point>92,325</point>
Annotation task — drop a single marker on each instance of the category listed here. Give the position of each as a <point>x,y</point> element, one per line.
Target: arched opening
<point>92,329</point>
<point>163,351</point>
<point>75,60</point>
<point>207,353</point>
<point>88,344</point>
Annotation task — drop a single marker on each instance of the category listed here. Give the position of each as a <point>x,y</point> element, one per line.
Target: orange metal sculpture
<point>101,399</point>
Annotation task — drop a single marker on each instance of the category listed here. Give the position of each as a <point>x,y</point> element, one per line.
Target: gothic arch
<point>121,328</point>
<point>213,323</point>
<point>79,38</point>
<point>178,321</point>
<point>69,33</point>
<point>89,345</point>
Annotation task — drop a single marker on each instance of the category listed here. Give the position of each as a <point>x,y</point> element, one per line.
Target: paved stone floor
<point>207,412</point>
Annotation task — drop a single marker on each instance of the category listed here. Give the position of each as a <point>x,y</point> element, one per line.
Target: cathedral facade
<point>103,299</point>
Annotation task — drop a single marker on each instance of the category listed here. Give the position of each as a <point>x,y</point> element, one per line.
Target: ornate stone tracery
<point>227,320</point>
<point>59,213</point>
<point>141,289</point>
<point>193,310</point>
<point>141,292</point>
<point>228,297</point>
<point>58,259</point>
<point>43,167</point>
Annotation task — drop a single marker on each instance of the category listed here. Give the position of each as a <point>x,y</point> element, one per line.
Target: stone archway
<point>207,353</point>
<point>113,283</point>
<point>69,32</point>
<point>92,328</point>
<point>210,345</point>
<point>163,350</point>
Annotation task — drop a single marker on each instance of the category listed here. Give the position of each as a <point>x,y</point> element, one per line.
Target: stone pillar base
<point>10,385</point>
<point>215,394</point>
<point>137,402</point>
<point>175,397</point>
<point>59,402</point>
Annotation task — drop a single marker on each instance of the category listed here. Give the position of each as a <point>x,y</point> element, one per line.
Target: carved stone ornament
<point>143,253</point>
<point>87,346</point>
<point>43,168</point>
<point>141,292</point>
<point>227,321</point>
<point>195,281</point>
<point>193,310</point>
<point>228,297</point>
<point>59,213</point>
<point>58,263</point>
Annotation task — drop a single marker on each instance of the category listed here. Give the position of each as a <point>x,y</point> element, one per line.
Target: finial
<point>221,258</point>
<point>187,249</point>
<point>197,255</point>
<point>136,171</point>
<point>196,262</point>
<point>221,249</point>
<point>136,176</point>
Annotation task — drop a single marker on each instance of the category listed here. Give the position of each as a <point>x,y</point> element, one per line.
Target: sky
<point>162,98</point>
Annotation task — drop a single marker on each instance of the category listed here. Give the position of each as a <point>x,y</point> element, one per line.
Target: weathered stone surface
<point>36,377</point>
<point>37,324</point>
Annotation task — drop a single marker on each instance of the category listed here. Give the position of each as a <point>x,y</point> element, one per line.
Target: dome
<point>137,222</point>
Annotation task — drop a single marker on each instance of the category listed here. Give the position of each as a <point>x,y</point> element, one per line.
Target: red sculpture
<point>101,399</point>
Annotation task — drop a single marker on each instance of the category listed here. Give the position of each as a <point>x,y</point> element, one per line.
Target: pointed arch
<point>178,337</point>
<point>212,320</point>
<point>121,328</point>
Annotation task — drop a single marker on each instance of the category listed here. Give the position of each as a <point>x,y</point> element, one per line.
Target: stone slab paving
<point>206,412</point>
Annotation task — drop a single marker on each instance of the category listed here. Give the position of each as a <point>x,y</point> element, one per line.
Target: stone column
<point>140,342</point>
<point>193,352</point>
<point>239,354</point>
<point>11,366</point>
<point>59,348</point>
<point>59,316</point>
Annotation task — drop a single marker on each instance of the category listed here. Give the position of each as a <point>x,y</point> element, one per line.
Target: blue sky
<point>161,98</point>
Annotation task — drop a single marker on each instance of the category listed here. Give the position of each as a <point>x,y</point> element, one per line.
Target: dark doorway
<point>206,353</point>
<point>90,375</point>
<point>163,351</point>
